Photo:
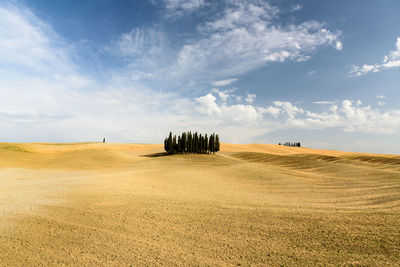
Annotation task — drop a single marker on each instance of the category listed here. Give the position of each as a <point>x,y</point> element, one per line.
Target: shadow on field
<point>156,155</point>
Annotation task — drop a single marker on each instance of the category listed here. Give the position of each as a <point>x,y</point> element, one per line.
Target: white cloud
<point>177,8</point>
<point>358,71</point>
<point>208,104</point>
<point>390,61</point>
<point>339,45</point>
<point>288,108</point>
<point>140,42</point>
<point>353,118</point>
<point>311,72</point>
<point>333,108</point>
<point>273,111</point>
<point>347,117</point>
<point>244,37</point>
<point>236,113</point>
<point>188,5</point>
<point>381,103</point>
<point>224,82</point>
<point>324,102</point>
<point>224,96</point>
<point>250,98</point>
<point>33,48</point>
<point>45,91</point>
<point>296,8</point>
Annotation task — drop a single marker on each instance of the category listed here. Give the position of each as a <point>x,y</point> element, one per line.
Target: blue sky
<point>325,73</point>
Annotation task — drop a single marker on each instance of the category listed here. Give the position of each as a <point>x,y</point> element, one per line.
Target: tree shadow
<point>156,155</point>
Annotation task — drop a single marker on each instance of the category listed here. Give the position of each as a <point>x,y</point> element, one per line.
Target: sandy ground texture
<point>129,204</point>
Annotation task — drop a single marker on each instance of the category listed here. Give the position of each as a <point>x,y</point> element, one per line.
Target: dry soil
<point>129,204</point>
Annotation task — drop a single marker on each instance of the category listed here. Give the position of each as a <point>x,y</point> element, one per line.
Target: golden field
<point>128,204</point>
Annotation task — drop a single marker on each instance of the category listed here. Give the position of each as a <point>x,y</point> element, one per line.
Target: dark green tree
<point>206,144</point>
<point>196,143</point>
<point>179,144</point>
<point>201,141</point>
<point>190,142</point>
<point>216,143</point>
<point>174,145</point>
<point>169,143</point>
<point>183,143</point>
<point>211,144</point>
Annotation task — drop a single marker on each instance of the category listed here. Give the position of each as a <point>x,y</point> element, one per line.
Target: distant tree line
<point>292,144</point>
<point>190,142</point>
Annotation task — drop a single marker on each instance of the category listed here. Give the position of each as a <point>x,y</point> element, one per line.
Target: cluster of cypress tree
<point>190,142</point>
<point>294,144</point>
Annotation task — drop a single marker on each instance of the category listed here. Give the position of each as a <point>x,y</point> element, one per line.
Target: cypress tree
<point>183,145</point>
<point>211,144</point>
<point>206,144</point>
<point>196,141</point>
<point>169,145</point>
<point>174,144</point>
<point>216,143</point>
<point>200,144</point>
<point>190,142</point>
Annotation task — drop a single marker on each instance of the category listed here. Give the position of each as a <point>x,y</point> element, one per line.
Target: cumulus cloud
<point>349,116</point>
<point>339,45</point>
<point>288,108</point>
<point>231,114</point>
<point>390,61</point>
<point>224,94</point>
<point>271,110</point>
<point>250,98</point>
<point>352,118</point>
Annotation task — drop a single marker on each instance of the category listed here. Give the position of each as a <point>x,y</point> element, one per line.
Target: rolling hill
<point>130,204</point>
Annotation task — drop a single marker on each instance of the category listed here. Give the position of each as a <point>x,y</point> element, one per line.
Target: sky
<point>323,73</point>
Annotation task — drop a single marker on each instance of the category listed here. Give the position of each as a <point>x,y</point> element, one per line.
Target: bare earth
<point>127,204</point>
